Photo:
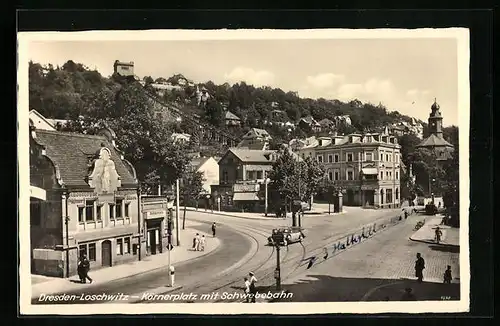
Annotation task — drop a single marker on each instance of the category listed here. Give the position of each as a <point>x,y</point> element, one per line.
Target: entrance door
<point>152,241</point>
<point>369,197</point>
<point>106,253</point>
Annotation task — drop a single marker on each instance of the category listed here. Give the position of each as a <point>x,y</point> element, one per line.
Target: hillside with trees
<point>67,91</point>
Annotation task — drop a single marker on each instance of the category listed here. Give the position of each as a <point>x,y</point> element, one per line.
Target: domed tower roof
<point>435,106</point>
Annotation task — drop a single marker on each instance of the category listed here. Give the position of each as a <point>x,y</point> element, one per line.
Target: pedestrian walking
<point>84,266</point>
<point>419,268</point>
<point>447,275</point>
<point>408,295</point>
<point>439,233</point>
<point>197,240</point>
<point>172,275</point>
<point>213,229</point>
<point>247,289</point>
<point>194,243</point>
<point>202,243</point>
<point>253,287</point>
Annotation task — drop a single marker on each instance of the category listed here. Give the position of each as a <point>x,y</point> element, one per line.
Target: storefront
<point>155,213</point>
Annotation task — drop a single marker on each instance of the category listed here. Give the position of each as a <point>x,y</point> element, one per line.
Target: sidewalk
<point>258,216</point>
<point>426,233</point>
<point>50,285</point>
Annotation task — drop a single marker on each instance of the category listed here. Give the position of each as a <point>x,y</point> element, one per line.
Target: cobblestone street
<point>363,271</point>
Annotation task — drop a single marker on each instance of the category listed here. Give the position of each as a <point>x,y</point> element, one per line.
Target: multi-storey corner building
<point>367,167</point>
<point>85,200</point>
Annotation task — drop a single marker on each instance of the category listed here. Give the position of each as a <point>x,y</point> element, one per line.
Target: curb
<point>144,272</point>
<point>243,217</point>
<point>434,243</point>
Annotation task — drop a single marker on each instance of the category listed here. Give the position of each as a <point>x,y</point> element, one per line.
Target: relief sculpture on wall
<point>104,178</point>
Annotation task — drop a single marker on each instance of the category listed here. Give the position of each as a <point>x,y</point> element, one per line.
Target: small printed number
<point>445,298</point>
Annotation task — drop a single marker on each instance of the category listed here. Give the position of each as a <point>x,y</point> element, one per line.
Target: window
<point>35,213</point>
<point>349,157</point>
<point>388,194</point>
<point>336,175</point>
<point>82,250</point>
<point>387,157</point>
<point>350,175</point>
<point>320,158</point>
<point>381,175</point>
<point>81,214</point>
<point>127,210</point>
<point>89,210</point>
<point>330,175</point>
<point>387,175</point>
<point>397,158</point>
<point>397,194</point>
<point>259,175</point>
<point>330,158</point>
<point>111,211</point>
<point>119,203</point>
<point>397,176</point>
<point>126,249</point>
<point>91,255</point>
<point>119,246</point>
<point>99,213</point>
<point>224,176</point>
<point>382,157</point>
<point>336,158</point>
<point>368,156</point>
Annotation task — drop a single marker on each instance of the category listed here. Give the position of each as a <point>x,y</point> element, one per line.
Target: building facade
<point>124,68</point>
<point>256,138</point>
<point>367,168</point>
<point>90,204</point>
<point>209,167</point>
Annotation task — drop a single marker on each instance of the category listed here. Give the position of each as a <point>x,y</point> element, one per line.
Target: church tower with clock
<point>435,140</point>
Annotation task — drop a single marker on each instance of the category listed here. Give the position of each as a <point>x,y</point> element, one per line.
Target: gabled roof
<point>41,117</point>
<point>251,155</point>
<point>309,120</point>
<point>434,141</point>
<point>199,161</point>
<point>256,132</point>
<point>231,116</point>
<point>71,153</point>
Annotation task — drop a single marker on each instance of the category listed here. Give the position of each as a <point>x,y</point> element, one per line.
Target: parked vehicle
<point>291,234</point>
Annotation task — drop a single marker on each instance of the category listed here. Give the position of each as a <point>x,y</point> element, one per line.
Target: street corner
<point>411,290</point>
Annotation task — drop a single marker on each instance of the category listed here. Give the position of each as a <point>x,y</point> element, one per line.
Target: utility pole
<point>266,194</point>
<point>169,244</point>
<point>177,212</point>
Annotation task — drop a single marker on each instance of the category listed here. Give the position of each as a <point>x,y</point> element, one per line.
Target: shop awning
<point>38,193</point>
<point>369,171</point>
<point>245,196</point>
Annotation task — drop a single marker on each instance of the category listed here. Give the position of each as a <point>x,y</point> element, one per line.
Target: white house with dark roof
<point>256,138</point>
<point>209,167</point>
<point>231,119</point>
<point>87,202</point>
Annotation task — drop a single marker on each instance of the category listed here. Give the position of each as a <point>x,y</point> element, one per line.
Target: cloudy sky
<point>403,74</point>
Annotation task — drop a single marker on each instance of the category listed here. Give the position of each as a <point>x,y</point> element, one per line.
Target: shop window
<point>92,251</point>
<point>89,211</point>
<point>126,248</point>
<point>135,249</point>
<point>119,246</point>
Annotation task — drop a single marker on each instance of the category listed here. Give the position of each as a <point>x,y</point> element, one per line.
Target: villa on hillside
<point>231,119</point>
<point>256,138</point>
<point>309,123</point>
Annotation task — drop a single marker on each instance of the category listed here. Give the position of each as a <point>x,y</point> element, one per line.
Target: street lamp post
<point>177,212</point>
<point>266,202</point>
